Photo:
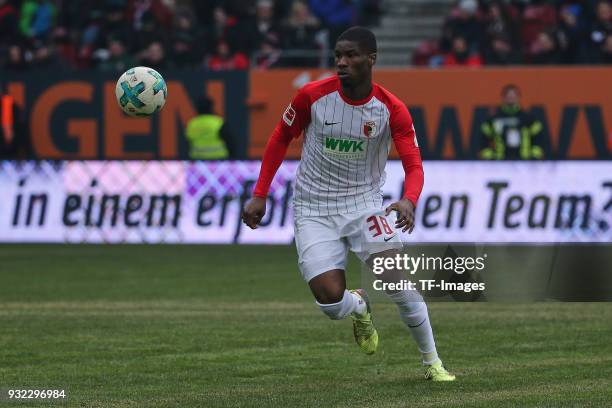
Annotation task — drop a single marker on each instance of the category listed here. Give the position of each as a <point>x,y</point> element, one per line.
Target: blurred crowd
<point>112,35</point>
<point>498,32</point>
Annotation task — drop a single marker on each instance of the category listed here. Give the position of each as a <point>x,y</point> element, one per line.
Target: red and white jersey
<point>346,145</point>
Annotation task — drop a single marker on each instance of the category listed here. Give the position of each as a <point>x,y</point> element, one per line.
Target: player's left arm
<point>404,138</point>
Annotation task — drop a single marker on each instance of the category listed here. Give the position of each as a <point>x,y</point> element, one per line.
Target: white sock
<point>360,305</point>
<point>350,303</point>
<point>413,312</point>
<point>430,358</point>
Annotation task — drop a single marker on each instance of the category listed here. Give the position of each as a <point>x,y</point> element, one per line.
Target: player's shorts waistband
<point>313,209</point>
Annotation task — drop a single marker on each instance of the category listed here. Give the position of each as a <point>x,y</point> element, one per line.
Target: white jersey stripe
<point>344,155</point>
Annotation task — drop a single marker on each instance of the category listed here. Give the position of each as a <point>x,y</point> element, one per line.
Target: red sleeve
<point>295,118</point>
<point>404,138</point>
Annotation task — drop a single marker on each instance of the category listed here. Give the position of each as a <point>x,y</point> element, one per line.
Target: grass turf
<point>229,326</point>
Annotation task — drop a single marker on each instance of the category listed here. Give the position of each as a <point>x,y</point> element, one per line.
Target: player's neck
<point>358,91</point>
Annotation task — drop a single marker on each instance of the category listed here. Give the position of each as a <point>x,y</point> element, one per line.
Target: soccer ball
<point>141,91</point>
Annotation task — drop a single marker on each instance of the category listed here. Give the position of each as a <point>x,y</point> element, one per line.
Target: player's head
<point>511,95</point>
<point>355,55</point>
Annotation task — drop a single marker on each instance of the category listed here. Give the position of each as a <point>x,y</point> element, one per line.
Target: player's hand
<point>405,214</point>
<point>253,211</point>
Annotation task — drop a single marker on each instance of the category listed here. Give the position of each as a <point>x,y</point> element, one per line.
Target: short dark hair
<point>510,87</point>
<point>364,37</point>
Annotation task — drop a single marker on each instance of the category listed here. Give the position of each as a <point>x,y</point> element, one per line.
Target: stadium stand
<point>521,32</point>
<point>110,35</point>
<point>221,34</point>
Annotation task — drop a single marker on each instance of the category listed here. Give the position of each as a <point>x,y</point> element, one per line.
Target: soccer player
<point>348,123</point>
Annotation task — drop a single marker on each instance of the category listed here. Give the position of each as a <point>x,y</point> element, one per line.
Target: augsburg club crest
<point>369,128</point>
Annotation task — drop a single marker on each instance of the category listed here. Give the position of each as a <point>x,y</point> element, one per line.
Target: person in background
<point>44,57</point>
<point>208,135</point>
<point>154,56</point>
<point>605,54</point>
<point>37,18</point>
<point>336,15</point>
<point>225,59</point>
<point>269,54</point>
<point>265,19</point>
<point>460,55</point>
<point>501,52</point>
<point>464,21</point>
<point>15,59</point>
<point>299,32</point>
<point>511,133</point>
<point>600,28</point>
<point>9,18</point>
<point>571,34</point>
<point>545,49</point>
<point>188,45</point>
<point>116,59</point>
<point>501,20</point>
<point>13,140</point>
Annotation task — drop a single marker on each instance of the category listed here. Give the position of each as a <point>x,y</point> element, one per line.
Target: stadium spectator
<point>37,18</point>
<point>336,15</point>
<point>78,34</point>
<point>601,28</point>
<point>65,46</point>
<point>13,136</point>
<point>501,22</point>
<point>511,133</point>
<point>501,51</point>
<point>537,17</point>
<point>44,56</point>
<point>240,36</point>
<point>299,33</point>
<point>269,54</point>
<point>265,21</point>
<point>461,55</point>
<point>116,58</point>
<point>571,33</point>
<point>605,51</point>
<point>225,59</point>
<point>157,10</point>
<point>15,60</point>
<point>188,49</point>
<point>8,22</point>
<point>465,22</point>
<point>90,39</point>
<point>427,53</point>
<point>208,135</point>
<point>545,49</point>
<point>154,57</point>
<point>115,23</point>
<point>147,32</point>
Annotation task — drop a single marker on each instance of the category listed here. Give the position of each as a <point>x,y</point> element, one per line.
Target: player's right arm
<point>295,118</point>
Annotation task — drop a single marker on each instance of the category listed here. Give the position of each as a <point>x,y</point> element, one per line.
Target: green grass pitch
<point>235,326</point>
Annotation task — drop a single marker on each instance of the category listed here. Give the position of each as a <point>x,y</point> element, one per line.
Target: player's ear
<point>372,59</point>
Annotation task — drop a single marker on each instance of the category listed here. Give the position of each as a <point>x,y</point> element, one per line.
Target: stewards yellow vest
<point>203,134</point>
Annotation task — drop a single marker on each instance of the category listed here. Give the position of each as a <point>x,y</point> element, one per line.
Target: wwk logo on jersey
<point>289,115</point>
<point>369,128</point>
<point>344,148</point>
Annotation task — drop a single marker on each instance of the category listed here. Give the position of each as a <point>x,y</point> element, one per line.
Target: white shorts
<point>323,241</point>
